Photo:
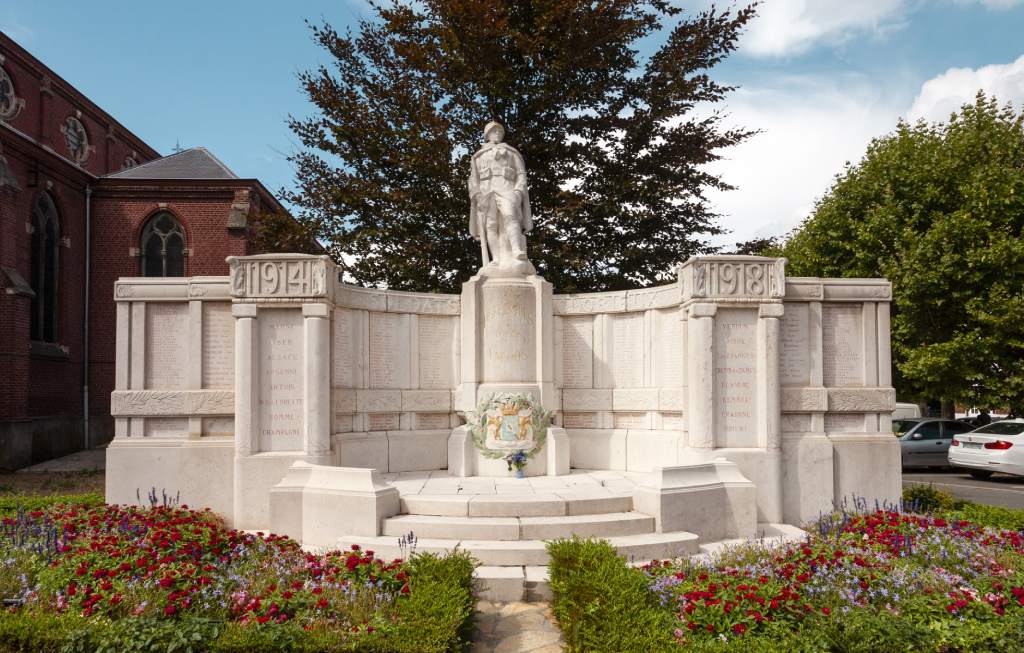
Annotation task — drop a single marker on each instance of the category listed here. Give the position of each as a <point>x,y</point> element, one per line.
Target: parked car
<point>995,447</point>
<point>924,442</point>
<point>904,410</point>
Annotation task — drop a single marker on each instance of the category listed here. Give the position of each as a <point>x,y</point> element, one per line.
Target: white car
<point>995,447</point>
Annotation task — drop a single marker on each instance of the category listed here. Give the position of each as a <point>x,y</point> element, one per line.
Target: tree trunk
<point>948,409</point>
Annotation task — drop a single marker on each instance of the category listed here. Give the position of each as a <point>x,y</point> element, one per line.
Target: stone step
<point>556,504</point>
<point>531,583</point>
<point>530,553</point>
<point>519,528</point>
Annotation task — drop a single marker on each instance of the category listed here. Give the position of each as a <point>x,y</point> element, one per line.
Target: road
<point>999,490</point>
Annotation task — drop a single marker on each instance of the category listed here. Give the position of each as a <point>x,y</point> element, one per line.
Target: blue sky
<point>818,77</point>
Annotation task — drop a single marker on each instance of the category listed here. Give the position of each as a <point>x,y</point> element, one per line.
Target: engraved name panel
<point>628,350</point>
<point>437,351</point>
<point>735,362</point>
<point>794,352</point>
<point>433,421</point>
<point>382,422</point>
<point>389,350</point>
<point>844,422</point>
<point>668,348</point>
<point>631,420</point>
<point>842,338</point>
<point>578,351</point>
<point>218,346</point>
<point>280,386</point>
<point>346,354</point>
<point>580,420</point>
<point>166,351</point>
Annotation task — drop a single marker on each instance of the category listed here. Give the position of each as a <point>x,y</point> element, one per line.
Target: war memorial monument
<point>731,402</point>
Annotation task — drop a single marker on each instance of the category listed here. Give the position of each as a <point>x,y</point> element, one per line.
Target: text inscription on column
<point>280,395</point>
<point>735,357</point>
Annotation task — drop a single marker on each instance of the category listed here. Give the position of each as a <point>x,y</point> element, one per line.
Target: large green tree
<point>615,152</point>
<point>939,210</point>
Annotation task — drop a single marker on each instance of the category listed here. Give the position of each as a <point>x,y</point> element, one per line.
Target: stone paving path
<point>82,461</point>
<point>516,628</point>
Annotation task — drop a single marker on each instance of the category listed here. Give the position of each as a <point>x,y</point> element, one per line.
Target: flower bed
<point>878,581</point>
<point>91,567</point>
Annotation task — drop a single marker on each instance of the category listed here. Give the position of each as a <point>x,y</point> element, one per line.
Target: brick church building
<point>84,201</point>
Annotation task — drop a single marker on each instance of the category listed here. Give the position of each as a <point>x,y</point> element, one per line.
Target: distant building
<point>84,201</point>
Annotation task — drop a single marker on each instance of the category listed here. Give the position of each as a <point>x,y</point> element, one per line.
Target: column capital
<point>243,310</point>
<point>702,309</point>
<point>771,310</point>
<point>316,310</point>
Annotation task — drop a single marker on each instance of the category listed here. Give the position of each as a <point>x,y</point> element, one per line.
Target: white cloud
<point>946,93</point>
<point>810,127</point>
<point>991,4</point>
<point>784,27</point>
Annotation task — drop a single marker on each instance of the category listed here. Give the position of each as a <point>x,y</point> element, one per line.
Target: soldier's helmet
<point>494,125</point>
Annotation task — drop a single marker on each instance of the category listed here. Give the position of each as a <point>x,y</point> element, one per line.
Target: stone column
<point>769,412</point>
<point>246,379</point>
<point>768,393</point>
<point>884,361</point>
<point>246,398</point>
<point>316,394</point>
<point>701,375</point>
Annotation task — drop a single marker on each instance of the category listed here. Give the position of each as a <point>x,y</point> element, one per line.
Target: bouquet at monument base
<point>518,461</point>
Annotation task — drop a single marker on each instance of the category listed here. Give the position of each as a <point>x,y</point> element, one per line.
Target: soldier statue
<point>499,214</point>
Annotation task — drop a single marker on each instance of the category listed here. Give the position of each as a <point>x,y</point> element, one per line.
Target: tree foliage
<point>939,210</point>
<point>614,150</point>
<point>277,231</point>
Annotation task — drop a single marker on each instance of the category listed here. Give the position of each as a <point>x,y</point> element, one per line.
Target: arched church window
<point>163,247</point>
<point>45,269</point>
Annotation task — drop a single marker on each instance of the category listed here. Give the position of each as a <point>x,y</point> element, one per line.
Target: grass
<point>51,483</point>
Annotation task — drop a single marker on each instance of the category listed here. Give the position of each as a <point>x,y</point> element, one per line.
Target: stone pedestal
<point>507,347</point>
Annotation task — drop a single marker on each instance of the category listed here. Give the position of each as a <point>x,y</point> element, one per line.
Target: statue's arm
<point>520,173</point>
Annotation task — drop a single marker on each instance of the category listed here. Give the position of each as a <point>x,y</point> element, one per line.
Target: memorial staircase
<point>504,524</point>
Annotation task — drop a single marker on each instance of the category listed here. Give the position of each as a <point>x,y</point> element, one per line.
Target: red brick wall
<point>42,386</point>
<point>118,221</point>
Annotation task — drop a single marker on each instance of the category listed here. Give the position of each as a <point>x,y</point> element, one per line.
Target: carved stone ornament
<point>122,290</point>
<point>278,276</point>
<point>10,104</point>
<point>734,277</point>
<point>861,400</point>
<point>803,400</point>
<point>136,403</point>
<point>7,178</point>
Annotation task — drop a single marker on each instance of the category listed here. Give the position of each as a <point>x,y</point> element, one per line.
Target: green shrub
<point>435,617</point>
<point>602,604</point>
<point>983,515</point>
<point>11,503</point>
<point>928,498</point>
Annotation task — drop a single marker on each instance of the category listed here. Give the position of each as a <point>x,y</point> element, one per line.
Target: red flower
<point>739,629</point>
<point>170,611</point>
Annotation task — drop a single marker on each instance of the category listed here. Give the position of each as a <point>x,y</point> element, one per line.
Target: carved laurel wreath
<point>477,422</point>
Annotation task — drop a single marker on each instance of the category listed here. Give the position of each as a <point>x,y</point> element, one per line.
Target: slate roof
<point>193,163</point>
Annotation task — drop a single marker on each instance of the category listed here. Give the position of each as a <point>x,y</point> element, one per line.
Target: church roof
<point>193,163</point>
